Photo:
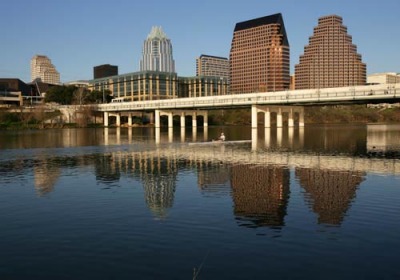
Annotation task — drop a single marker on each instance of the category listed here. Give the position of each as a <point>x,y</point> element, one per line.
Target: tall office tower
<point>105,70</point>
<point>157,52</point>
<point>212,66</point>
<point>260,56</point>
<point>42,68</point>
<point>330,59</point>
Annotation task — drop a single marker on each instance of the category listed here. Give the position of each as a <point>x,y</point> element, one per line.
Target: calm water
<point>315,203</point>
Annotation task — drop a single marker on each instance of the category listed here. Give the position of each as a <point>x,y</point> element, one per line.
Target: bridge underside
<point>293,113</point>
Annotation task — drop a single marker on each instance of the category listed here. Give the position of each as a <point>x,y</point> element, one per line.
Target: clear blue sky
<point>79,34</point>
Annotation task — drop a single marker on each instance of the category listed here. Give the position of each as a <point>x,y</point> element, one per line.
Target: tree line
<point>72,95</point>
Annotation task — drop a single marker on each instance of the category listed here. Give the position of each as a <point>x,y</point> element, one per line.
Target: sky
<point>80,34</point>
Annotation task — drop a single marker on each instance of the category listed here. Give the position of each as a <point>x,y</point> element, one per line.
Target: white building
<point>214,66</point>
<point>43,69</point>
<point>383,78</point>
<point>157,52</point>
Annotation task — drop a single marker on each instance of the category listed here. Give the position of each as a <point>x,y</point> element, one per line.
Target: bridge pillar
<point>129,119</point>
<point>290,120</point>
<point>253,116</point>
<point>170,120</point>
<point>157,118</point>
<point>205,122</point>
<point>301,118</point>
<point>194,119</point>
<point>279,122</point>
<point>267,118</point>
<point>182,120</point>
<point>118,119</point>
<point>105,119</point>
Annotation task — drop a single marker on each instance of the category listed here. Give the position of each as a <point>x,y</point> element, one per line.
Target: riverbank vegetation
<point>315,115</point>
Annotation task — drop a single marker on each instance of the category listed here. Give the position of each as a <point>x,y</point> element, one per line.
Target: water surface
<point>314,203</point>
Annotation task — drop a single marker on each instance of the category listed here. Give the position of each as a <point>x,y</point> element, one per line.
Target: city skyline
<point>78,35</point>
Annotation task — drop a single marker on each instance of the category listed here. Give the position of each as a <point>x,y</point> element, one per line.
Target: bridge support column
<point>205,122</point>
<point>118,119</point>
<point>170,120</point>
<point>182,120</point>
<point>290,120</point>
<point>129,119</point>
<point>253,116</point>
<point>194,119</point>
<point>301,118</point>
<point>279,122</point>
<point>157,118</point>
<point>105,120</point>
<point>267,118</point>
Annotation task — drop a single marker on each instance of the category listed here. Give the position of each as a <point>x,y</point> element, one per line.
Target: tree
<point>96,96</point>
<point>60,94</point>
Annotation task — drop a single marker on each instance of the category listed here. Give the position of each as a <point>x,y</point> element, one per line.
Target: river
<point>320,202</point>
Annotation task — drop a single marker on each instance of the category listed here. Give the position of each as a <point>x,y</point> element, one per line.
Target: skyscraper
<point>43,69</point>
<point>330,59</point>
<point>260,56</point>
<point>212,66</point>
<point>157,52</point>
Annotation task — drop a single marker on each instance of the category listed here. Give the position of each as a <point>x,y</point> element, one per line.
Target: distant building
<point>383,78</point>
<point>259,56</point>
<point>154,85</point>
<point>43,69</point>
<point>214,66</point>
<point>202,86</point>
<point>140,86</point>
<point>105,70</point>
<point>157,52</point>
<point>79,83</point>
<point>330,59</point>
<point>14,85</point>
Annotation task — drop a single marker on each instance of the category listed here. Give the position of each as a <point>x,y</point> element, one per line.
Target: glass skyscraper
<point>157,52</point>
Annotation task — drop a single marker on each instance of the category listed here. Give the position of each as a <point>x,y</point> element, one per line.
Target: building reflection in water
<point>46,175</point>
<point>213,179</point>
<point>329,192</point>
<point>107,169</point>
<point>159,176</point>
<point>260,194</point>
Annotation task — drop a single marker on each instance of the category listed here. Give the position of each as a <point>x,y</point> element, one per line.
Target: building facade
<point>202,86</point>
<point>105,70</point>
<point>330,59</point>
<point>43,69</point>
<point>157,52</point>
<point>260,56</point>
<point>153,85</point>
<point>140,86</point>
<point>212,66</point>
<point>383,78</point>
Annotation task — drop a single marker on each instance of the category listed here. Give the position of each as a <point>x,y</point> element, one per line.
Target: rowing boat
<point>216,142</point>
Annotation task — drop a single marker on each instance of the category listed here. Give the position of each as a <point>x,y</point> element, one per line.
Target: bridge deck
<point>343,95</point>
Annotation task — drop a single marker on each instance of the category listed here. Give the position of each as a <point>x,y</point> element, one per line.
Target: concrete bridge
<point>290,103</point>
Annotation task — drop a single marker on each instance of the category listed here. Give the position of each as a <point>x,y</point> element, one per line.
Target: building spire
<point>157,33</point>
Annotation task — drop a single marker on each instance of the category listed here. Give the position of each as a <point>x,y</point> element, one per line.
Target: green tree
<point>96,96</point>
<point>60,94</point>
